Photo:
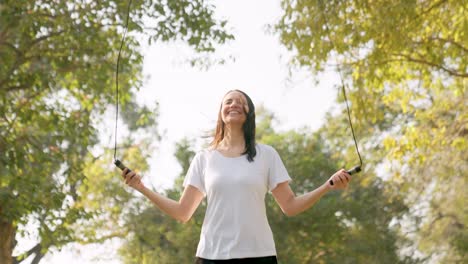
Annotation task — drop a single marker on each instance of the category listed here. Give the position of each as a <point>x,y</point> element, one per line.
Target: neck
<point>233,138</point>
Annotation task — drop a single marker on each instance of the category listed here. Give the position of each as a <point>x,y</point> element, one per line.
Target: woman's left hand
<point>340,180</point>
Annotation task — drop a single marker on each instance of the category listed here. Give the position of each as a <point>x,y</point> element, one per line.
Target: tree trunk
<point>7,238</point>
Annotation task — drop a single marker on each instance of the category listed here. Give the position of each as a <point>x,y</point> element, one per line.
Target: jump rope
<point>117,162</point>
<point>121,166</point>
<point>356,168</point>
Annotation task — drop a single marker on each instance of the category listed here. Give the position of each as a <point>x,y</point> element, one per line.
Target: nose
<point>236,103</point>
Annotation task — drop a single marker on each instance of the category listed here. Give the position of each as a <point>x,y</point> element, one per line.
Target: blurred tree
<point>58,61</point>
<point>406,65</point>
<point>157,237</point>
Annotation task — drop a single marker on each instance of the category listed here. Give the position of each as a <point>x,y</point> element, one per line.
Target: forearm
<point>301,203</point>
<point>292,205</point>
<point>167,205</point>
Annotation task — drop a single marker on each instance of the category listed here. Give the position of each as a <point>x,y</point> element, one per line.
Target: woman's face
<point>234,108</point>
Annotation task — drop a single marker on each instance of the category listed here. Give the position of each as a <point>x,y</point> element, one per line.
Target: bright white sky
<point>189,98</point>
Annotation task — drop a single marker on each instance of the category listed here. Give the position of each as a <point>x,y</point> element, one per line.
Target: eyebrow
<point>237,99</point>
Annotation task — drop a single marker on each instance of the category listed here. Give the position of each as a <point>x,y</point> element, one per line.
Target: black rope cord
<point>117,162</point>
<point>349,119</point>
<point>357,168</point>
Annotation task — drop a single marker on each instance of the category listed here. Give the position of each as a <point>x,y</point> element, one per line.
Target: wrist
<point>140,187</point>
<point>327,186</point>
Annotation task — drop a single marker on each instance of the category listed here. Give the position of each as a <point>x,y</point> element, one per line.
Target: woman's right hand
<point>132,179</point>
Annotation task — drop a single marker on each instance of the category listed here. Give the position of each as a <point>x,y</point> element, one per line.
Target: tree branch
<point>37,258</point>
<point>451,41</point>
<point>8,44</point>
<point>20,58</point>
<point>19,55</point>
<point>45,37</point>
<point>34,250</point>
<point>440,216</point>
<point>16,88</point>
<point>429,63</point>
<point>433,6</point>
<point>26,101</point>
<point>101,239</point>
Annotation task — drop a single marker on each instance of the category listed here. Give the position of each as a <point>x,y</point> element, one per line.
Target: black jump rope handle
<point>352,171</point>
<point>121,166</point>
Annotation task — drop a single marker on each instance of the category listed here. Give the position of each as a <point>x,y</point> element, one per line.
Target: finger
<point>129,176</point>
<point>135,180</point>
<point>346,182</point>
<point>126,171</point>
<point>347,178</point>
<point>341,179</point>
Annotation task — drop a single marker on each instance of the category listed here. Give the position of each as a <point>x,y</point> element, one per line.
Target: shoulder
<point>265,147</point>
<point>200,159</point>
<point>205,151</point>
<point>267,150</point>
<point>203,154</point>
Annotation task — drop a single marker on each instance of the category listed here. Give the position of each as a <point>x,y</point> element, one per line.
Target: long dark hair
<point>248,127</point>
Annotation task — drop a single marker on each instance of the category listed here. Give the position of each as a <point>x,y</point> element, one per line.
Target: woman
<point>235,174</point>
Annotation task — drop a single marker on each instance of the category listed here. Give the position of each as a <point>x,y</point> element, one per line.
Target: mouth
<point>235,111</point>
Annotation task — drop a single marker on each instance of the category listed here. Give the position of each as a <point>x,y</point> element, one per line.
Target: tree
<point>58,61</point>
<point>405,63</point>
<point>159,238</point>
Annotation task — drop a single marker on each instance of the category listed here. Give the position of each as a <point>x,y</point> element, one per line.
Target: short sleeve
<point>277,171</point>
<point>195,175</point>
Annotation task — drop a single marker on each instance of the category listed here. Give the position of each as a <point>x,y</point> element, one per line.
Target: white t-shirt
<point>235,224</point>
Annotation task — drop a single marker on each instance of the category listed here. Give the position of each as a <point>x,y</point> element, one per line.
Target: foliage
<point>58,62</point>
<point>157,237</point>
<point>406,66</point>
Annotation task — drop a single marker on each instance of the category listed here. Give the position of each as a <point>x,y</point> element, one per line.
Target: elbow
<point>184,218</point>
<point>290,208</point>
<point>289,212</point>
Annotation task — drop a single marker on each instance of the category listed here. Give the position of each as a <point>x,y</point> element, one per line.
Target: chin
<point>234,122</point>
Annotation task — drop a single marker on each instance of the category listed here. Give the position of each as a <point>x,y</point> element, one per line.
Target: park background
<point>405,67</point>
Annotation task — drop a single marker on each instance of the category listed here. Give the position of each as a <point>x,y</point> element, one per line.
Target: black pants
<point>260,260</point>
